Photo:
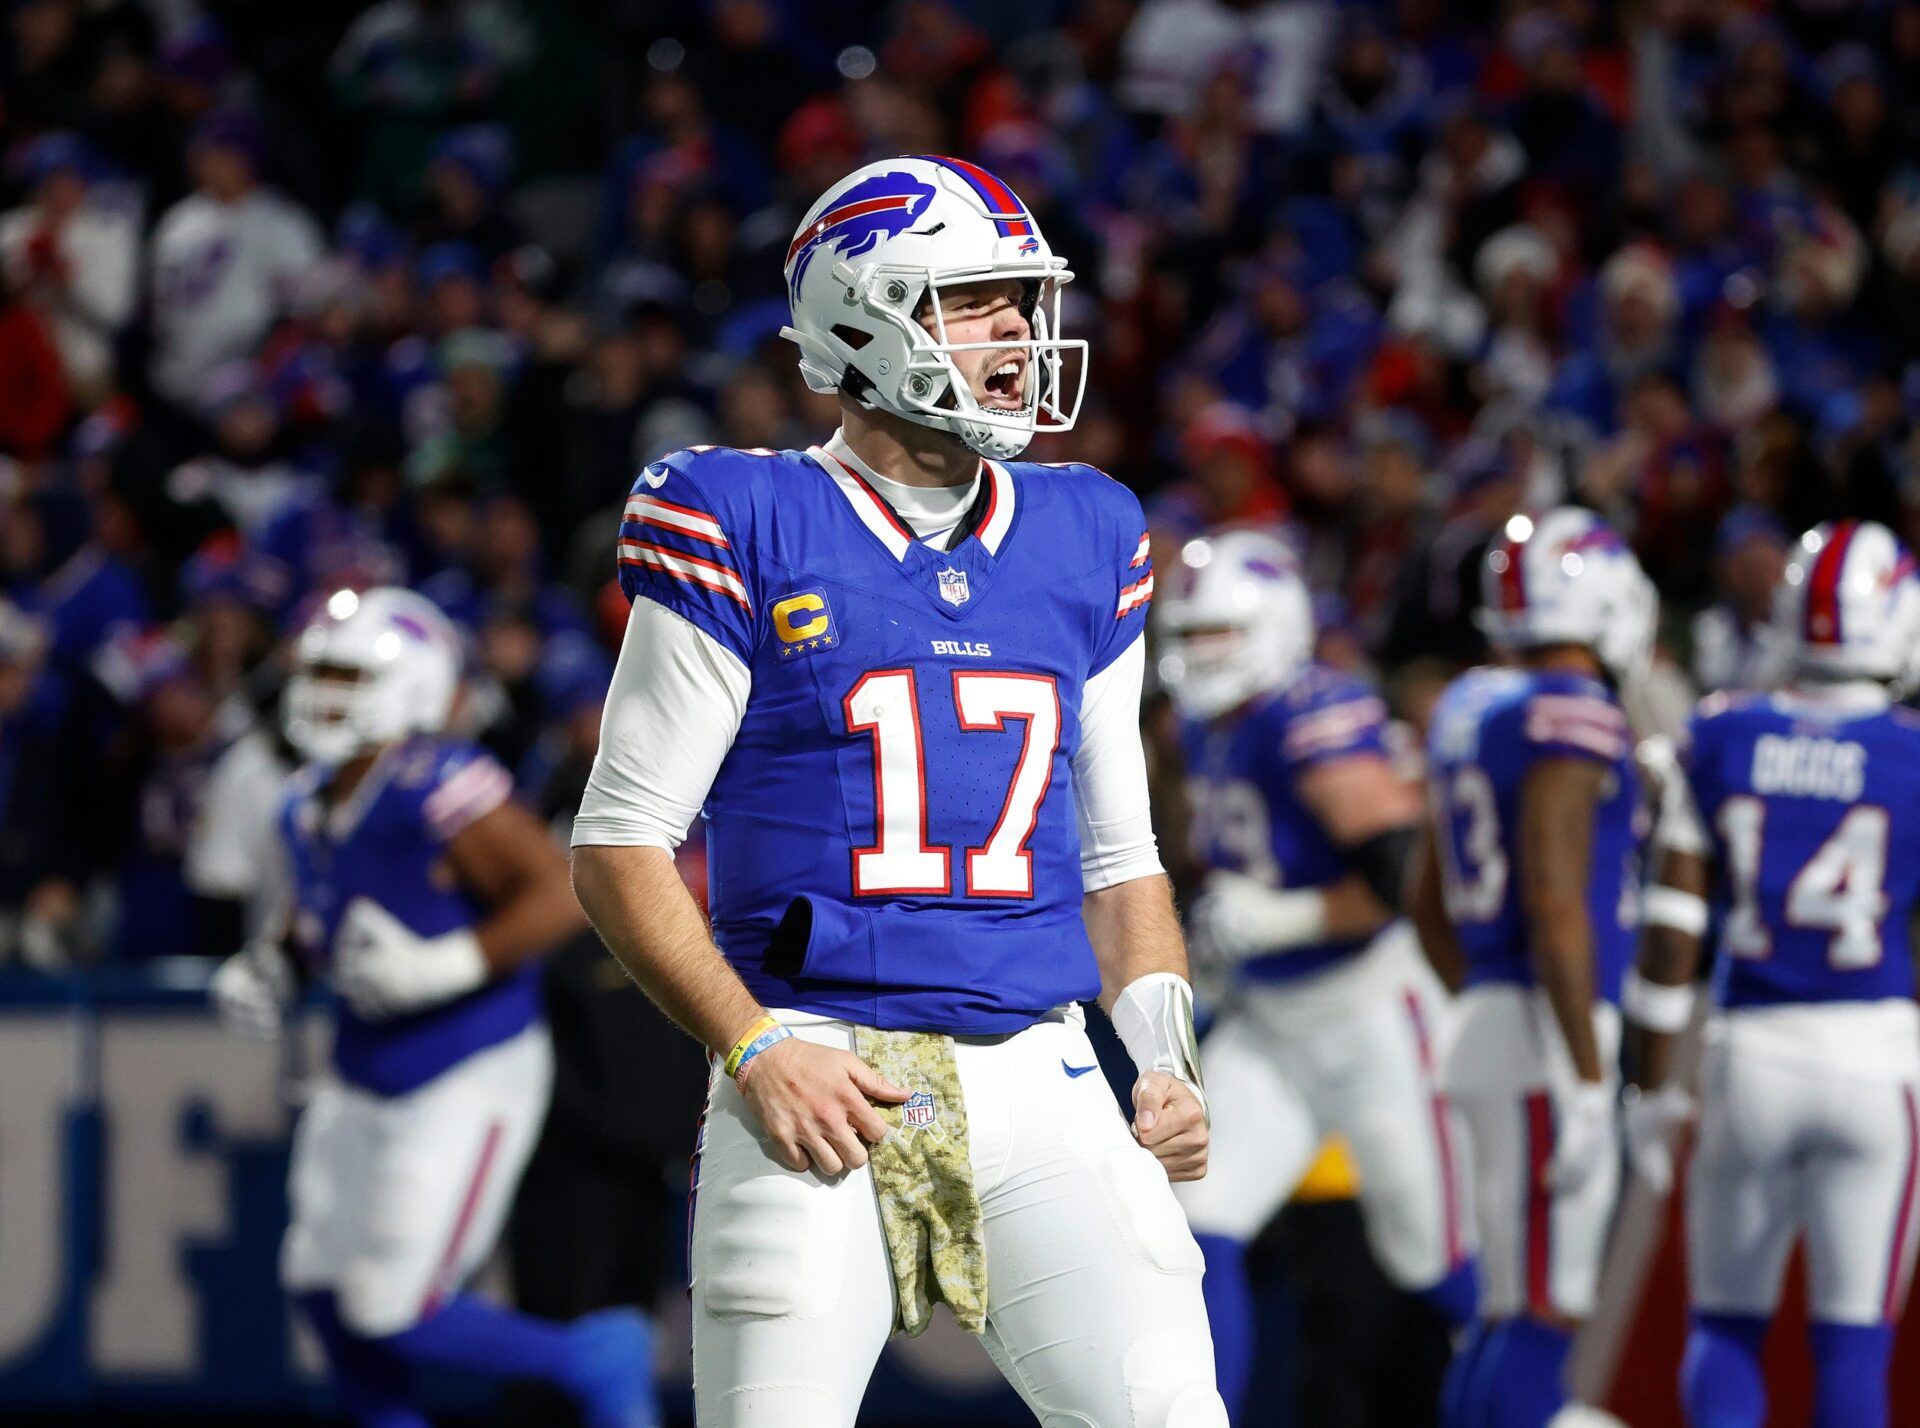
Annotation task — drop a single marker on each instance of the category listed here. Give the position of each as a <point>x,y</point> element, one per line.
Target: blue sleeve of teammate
<point>1575,725</point>
<point>1330,717</point>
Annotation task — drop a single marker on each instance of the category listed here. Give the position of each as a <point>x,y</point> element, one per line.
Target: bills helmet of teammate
<point>371,667</point>
<point>1565,577</point>
<point>1848,604</point>
<point>1234,622</point>
<point>873,254</point>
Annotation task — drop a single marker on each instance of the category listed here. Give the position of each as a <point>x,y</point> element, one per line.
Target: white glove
<point>1237,917</point>
<point>252,989</point>
<point>382,968</point>
<point>1583,1137</point>
<point>1651,1119</point>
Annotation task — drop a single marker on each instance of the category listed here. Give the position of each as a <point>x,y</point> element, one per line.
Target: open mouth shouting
<point>1006,383</point>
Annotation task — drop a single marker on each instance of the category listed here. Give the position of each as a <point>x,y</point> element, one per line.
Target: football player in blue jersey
<point>425,897</point>
<point>1795,836</point>
<point>1305,825</point>
<point>902,673</point>
<point>1529,883</point>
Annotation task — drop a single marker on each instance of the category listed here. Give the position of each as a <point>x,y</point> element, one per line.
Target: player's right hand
<point>816,1105</point>
<point>252,989</point>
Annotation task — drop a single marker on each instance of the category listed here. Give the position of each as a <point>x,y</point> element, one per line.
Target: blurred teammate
<point>1800,817</point>
<point>903,673</point>
<point>425,896</point>
<point>1307,827</point>
<point>1530,882</point>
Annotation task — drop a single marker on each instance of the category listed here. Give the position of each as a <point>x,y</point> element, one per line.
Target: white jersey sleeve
<point>672,711</point>
<point>1110,777</point>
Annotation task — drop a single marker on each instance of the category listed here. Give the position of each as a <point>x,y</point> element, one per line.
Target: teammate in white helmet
<point>902,672</point>
<point>1794,836</point>
<point>1530,882</point>
<point>1336,1023</point>
<point>424,897</point>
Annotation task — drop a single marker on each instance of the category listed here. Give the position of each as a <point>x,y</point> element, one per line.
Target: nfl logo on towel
<point>918,1111</point>
<point>953,586</point>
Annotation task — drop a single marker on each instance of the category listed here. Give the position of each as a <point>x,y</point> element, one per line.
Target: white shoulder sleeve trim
<point>674,706</point>
<point>1110,777</point>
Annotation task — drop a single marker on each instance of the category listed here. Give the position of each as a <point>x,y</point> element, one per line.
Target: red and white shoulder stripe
<point>1333,726</point>
<point>691,569</point>
<point>645,510</point>
<point>1581,720</point>
<point>1133,596</point>
<point>1141,553</point>
<point>468,796</point>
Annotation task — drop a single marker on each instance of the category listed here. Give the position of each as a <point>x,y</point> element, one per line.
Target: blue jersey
<point>1489,728</point>
<point>1247,815</point>
<point>1813,818</point>
<point>387,842</point>
<point>897,805</point>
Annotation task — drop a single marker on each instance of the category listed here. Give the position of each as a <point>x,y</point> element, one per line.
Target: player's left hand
<point>1583,1137</point>
<point>1651,1119</point>
<point>1169,1120</point>
<point>382,968</point>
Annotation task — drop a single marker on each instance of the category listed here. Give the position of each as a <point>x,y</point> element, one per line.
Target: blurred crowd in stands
<point>299,296</point>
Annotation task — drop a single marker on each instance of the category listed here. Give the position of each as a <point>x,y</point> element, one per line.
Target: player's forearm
<point>1557,810</point>
<point>534,921</point>
<point>1134,932</point>
<point>653,928</point>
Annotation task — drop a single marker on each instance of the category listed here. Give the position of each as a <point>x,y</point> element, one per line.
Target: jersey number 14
<point>1841,889</point>
<point>885,703</point>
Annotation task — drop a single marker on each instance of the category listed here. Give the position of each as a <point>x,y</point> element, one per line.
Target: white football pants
<point>397,1200</point>
<point>1808,1126</point>
<point>1094,1311</point>
<point>1365,1067</point>
<point>1509,1073</point>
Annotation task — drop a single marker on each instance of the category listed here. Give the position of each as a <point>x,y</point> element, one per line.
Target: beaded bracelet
<point>757,1038</point>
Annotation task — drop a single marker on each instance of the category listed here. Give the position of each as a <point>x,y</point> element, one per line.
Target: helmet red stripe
<point>1822,625</point>
<point>1003,201</point>
<point>1513,580</point>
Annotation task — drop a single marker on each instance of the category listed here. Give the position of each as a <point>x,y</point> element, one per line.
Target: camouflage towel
<point>923,1176</point>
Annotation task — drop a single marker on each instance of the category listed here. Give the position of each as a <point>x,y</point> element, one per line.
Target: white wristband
<point>1294,918</point>
<point>1655,1006</point>
<point>1153,1016</point>
<point>1669,907</point>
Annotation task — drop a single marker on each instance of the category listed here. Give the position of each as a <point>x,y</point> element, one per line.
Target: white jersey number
<point>885,704</point>
<point>1842,888</point>
<point>1475,873</point>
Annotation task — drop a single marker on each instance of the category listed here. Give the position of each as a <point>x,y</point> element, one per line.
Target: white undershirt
<point>931,512</point>
<point>678,696</point>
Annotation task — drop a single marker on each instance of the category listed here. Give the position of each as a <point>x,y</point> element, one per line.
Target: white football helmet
<point>887,238</point>
<point>372,667</point>
<point>1848,604</point>
<point>1565,577</point>
<point>1234,620</point>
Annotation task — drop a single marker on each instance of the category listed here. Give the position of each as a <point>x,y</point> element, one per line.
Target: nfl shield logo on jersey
<point>918,1112</point>
<point>953,586</point>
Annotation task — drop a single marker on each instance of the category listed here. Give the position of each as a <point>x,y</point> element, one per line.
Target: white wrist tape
<point>1669,907</point>
<point>1153,1016</point>
<point>1655,1006</point>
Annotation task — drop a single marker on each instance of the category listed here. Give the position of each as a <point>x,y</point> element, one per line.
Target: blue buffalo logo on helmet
<point>854,221</point>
